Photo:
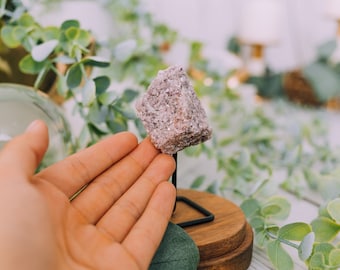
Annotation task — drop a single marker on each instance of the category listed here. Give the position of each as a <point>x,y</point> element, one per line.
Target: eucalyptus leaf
<point>325,229</point>
<point>276,207</point>
<point>333,209</point>
<point>42,51</point>
<point>305,248</point>
<point>279,257</point>
<point>257,223</point>
<point>317,261</point>
<point>334,257</point>
<point>197,182</point>
<point>294,231</point>
<point>250,207</point>
<point>324,248</point>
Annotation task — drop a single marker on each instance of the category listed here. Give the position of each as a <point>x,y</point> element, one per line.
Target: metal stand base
<point>208,216</point>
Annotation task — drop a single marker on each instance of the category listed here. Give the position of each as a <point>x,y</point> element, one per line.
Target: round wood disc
<point>224,243</point>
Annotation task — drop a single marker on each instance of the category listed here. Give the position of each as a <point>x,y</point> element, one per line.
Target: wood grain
<point>224,243</point>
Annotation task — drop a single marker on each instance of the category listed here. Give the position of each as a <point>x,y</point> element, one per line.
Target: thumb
<point>23,153</point>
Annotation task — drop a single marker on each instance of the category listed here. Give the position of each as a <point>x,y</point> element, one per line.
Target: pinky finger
<point>146,235</point>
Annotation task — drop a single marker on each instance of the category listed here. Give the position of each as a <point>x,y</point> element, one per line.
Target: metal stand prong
<point>208,216</point>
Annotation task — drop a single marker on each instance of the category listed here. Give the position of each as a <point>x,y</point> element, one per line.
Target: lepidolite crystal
<point>171,112</point>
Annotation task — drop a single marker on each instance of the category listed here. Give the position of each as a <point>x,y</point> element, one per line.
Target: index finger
<point>72,173</point>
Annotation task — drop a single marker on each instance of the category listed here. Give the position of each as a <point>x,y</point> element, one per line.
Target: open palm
<point>116,222</point>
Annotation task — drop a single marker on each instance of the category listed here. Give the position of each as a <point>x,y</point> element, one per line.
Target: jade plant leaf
<point>96,61</point>
<point>102,84</point>
<point>69,23</point>
<point>42,51</point>
<point>29,66</point>
<point>107,98</point>
<point>26,20</point>
<point>74,76</point>
<point>88,92</point>
<point>8,37</point>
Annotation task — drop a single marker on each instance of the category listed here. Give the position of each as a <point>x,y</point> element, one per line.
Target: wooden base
<point>224,243</point>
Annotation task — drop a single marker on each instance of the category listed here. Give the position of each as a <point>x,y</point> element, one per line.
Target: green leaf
<point>129,95</point>
<point>42,51</point>
<point>257,222</point>
<point>70,23</point>
<point>8,37</point>
<point>29,66</point>
<point>197,182</point>
<point>74,76</point>
<point>26,20</point>
<point>107,98</point>
<point>72,33</point>
<point>95,61</point>
<point>250,207</point>
<point>324,80</point>
<point>276,207</point>
<point>325,229</point>
<point>294,231</point>
<point>102,84</point>
<point>84,38</point>
<point>334,257</point>
<point>88,92</point>
<point>305,248</point>
<point>324,248</point>
<point>317,261</point>
<point>333,209</point>
<point>51,32</point>
<point>279,257</point>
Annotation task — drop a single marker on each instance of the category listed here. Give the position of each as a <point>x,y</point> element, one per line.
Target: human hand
<point>116,222</point>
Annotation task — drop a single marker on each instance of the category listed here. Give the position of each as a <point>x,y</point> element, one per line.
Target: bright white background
<point>304,26</point>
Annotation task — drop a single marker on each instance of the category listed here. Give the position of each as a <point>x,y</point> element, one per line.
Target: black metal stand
<point>208,216</point>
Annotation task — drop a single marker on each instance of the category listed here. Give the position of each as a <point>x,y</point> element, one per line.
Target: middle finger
<point>104,190</point>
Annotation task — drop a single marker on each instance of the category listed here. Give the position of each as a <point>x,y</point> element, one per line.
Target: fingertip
<point>36,126</point>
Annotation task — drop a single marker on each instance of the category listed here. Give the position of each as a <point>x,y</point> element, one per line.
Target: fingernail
<point>32,126</point>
